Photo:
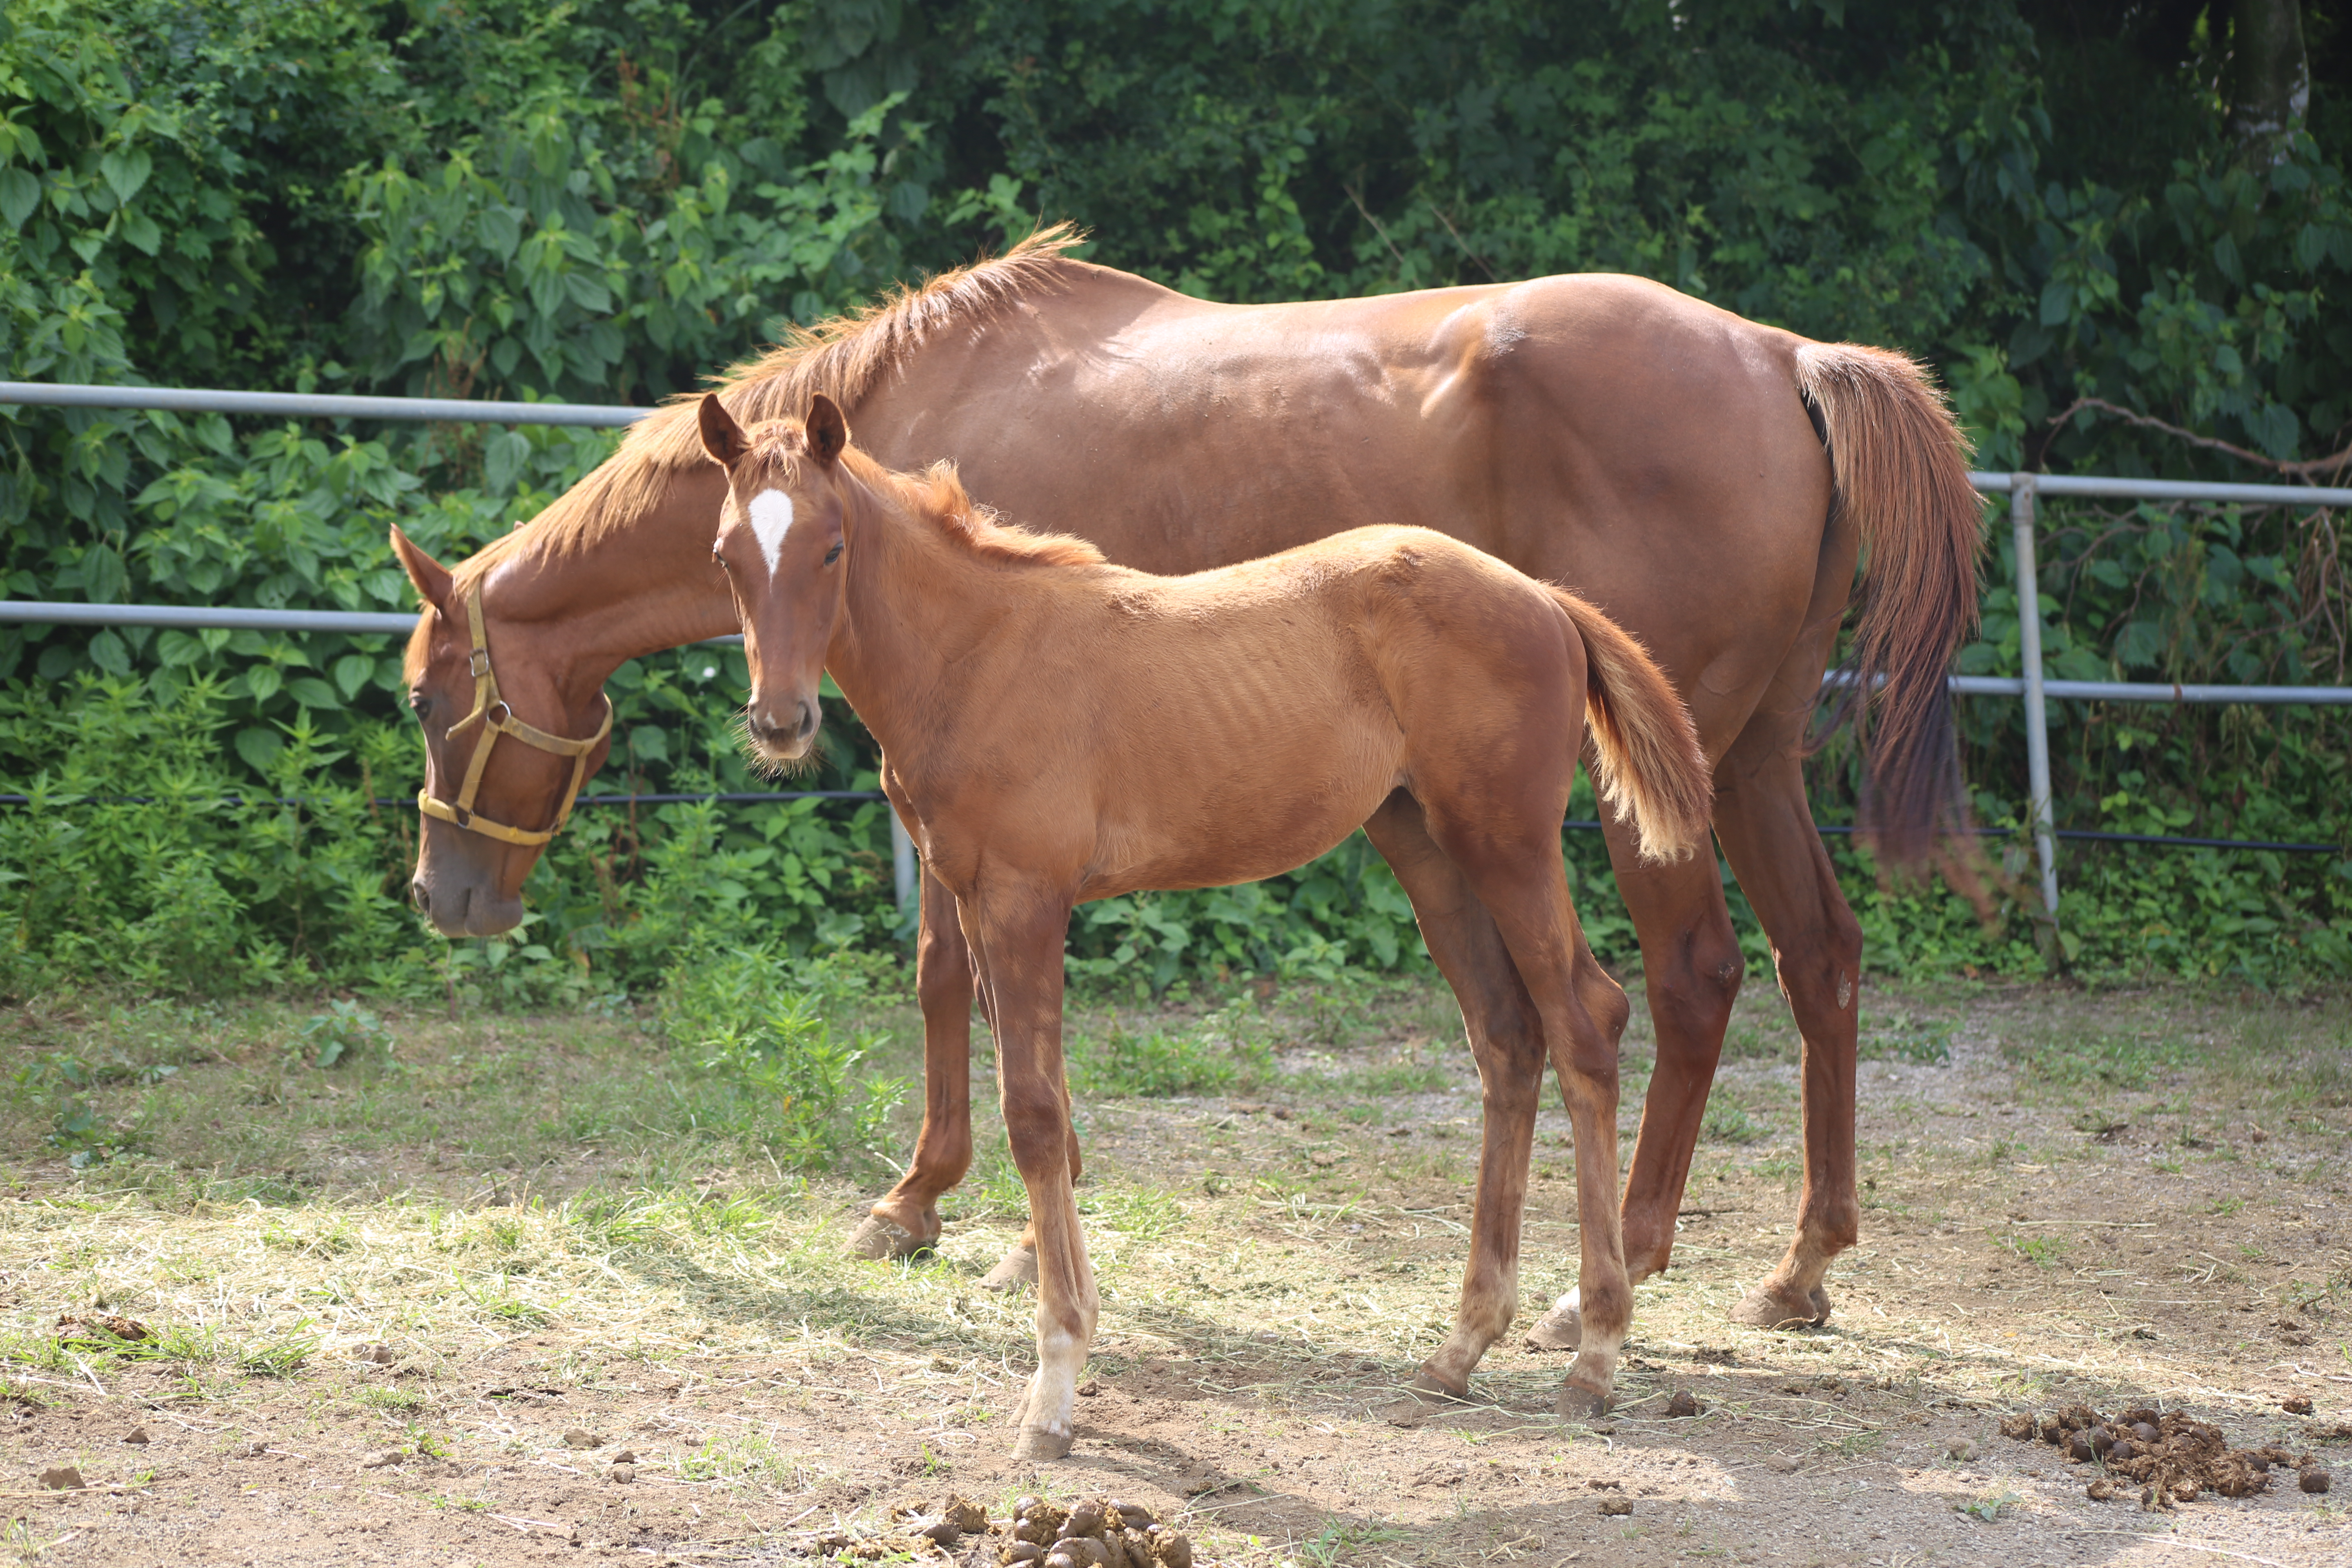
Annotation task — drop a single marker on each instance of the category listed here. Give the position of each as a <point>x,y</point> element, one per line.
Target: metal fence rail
<point>2022,488</point>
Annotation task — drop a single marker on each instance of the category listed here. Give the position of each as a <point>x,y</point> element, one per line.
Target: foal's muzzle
<point>787,740</point>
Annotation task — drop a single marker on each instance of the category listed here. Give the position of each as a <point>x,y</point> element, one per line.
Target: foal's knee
<point>1034,1126</point>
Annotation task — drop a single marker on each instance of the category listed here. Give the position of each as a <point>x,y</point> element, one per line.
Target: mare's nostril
<point>420,897</point>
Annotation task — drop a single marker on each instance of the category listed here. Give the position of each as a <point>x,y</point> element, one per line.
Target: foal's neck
<point>918,603</point>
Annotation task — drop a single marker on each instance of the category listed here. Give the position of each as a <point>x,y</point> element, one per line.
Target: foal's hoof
<point>1561,1329</point>
<point>1018,1267</point>
<point>1425,1395</point>
<point>1767,1307</point>
<point>1036,1444</point>
<point>878,1237</point>
<point>1577,1403</point>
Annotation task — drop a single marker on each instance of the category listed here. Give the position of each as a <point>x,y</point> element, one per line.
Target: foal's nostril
<point>808,722</point>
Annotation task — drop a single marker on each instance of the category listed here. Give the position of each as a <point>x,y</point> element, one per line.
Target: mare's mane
<point>842,358</point>
<point>935,497</point>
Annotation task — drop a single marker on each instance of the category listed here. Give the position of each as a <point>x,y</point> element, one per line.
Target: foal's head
<point>779,541</point>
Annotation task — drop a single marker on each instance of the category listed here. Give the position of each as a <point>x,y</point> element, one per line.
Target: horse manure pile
<point>2170,1456</point>
<point>1095,1532</point>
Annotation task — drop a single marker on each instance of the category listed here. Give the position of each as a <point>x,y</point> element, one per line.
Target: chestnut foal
<point>1055,729</point>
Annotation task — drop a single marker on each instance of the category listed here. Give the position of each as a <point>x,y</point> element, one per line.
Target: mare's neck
<point>916,605</point>
<point>639,586</point>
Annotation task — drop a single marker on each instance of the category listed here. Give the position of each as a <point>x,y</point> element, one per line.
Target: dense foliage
<point>603,200</point>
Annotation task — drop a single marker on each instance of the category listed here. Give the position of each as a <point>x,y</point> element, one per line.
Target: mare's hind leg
<point>1511,858</point>
<point>1768,836</point>
<point>1506,1040</point>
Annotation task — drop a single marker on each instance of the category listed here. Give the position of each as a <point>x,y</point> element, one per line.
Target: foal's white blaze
<point>772,514</point>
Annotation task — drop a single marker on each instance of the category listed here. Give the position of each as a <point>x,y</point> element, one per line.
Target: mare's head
<point>781,543</point>
<point>506,747</point>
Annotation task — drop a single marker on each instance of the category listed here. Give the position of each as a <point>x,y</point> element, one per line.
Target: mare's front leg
<point>1018,934</point>
<point>1507,1042</point>
<point>906,1221</point>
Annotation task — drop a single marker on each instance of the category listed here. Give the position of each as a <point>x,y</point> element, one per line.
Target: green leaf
<point>102,577</point>
<point>500,231</point>
<point>264,681</point>
<point>176,649</point>
<point>19,194</point>
<point>260,747</point>
<point>126,170</point>
<point>352,672</point>
<point>107,652</point>
<point>141,230</point>
<point>312,692</point>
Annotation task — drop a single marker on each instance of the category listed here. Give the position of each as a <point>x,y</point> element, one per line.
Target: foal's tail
<point>1899,464</point>
<point>1646,761</point>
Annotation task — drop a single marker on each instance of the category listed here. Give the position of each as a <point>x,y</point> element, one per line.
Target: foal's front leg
<point>1018,935</point>
<point>907,1219</point>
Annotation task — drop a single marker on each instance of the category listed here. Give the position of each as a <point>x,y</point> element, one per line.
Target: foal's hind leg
<point>1506,1040</point>
<point>1512,860</point>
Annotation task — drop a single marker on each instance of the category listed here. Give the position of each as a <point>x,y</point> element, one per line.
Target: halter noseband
<point>487,706</point>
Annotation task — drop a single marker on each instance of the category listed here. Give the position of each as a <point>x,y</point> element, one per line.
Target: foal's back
<point>1190,731</point>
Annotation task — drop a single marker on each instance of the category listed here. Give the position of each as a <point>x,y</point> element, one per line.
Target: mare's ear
<point>721,437</point>
<point>828,429</point>
<point>432,578</point>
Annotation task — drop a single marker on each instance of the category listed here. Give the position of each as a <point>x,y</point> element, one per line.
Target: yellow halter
<point>487,706</point>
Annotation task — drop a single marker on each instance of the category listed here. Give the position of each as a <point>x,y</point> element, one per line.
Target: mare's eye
<point>418,702</point>
<point>833,554</point>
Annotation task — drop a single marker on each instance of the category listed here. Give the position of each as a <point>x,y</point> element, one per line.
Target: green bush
<point>604,203</point>
<point>756,1022</point>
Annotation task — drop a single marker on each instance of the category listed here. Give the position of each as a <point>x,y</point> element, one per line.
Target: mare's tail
<point>1646,760</point>
<point>1899,464</point>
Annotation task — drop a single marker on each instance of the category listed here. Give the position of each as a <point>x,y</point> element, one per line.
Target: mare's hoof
<point>1576,1403</point>
<point>1036,1444</point>
<point>878,1237</point>
<point>1561,1329</point>
<point>1766,1307</point>
<point>1018,1267</point>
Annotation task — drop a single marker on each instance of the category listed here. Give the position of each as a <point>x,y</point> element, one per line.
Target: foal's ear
<point>721,437</point>
<point>432,578</point>
<point>828,430</point>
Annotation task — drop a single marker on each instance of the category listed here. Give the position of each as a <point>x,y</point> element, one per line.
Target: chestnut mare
<point>1708,482</point>
<point>1055,729</point>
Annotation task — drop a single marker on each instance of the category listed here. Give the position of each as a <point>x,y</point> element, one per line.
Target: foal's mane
<point>842,358</point>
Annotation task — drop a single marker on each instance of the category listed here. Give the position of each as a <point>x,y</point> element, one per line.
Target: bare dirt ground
<point>605,1336</point>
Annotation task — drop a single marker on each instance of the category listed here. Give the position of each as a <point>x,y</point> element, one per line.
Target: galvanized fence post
<point>904,866</point>
<point>2037,710</point>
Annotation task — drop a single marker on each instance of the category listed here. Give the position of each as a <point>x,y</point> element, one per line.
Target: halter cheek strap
<point>498,718</point>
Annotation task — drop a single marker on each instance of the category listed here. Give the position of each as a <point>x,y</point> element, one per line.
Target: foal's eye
<point>833,555</point>
<point>418,702</point>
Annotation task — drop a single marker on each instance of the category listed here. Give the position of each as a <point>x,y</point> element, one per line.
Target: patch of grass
<point>2042,1251</point>
<point>1905,1036</point>
<point>1727,1121</point>
<point>1162,1063</point>
<point>2096,1057</point>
